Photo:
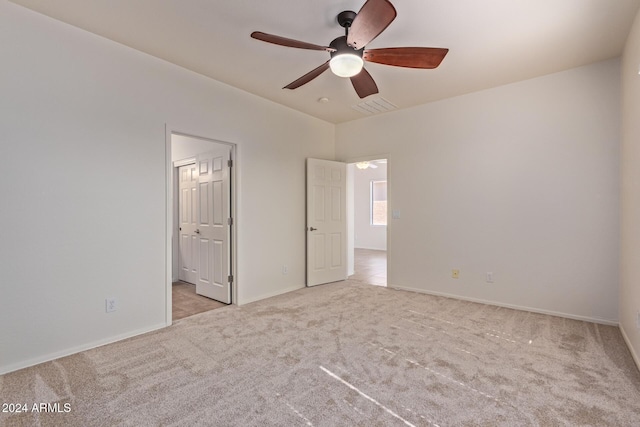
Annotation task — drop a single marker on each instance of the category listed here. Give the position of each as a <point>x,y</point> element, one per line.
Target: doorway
<point>367,217</point>
<point>202,240</point>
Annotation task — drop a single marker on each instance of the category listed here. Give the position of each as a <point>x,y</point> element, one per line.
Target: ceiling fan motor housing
<point>341,47</point>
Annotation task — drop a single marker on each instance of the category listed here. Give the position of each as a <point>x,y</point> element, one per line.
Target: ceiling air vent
<point>374,106</point>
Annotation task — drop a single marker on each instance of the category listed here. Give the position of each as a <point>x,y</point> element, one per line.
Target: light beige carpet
<point>344,354</point>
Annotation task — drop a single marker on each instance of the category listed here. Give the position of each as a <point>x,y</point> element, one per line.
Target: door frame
<point>170,185</point>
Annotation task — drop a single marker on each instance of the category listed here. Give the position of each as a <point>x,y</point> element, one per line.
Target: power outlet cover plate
<point>111,305</point>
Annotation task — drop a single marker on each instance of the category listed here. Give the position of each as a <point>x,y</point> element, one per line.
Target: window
<point>378,202</point>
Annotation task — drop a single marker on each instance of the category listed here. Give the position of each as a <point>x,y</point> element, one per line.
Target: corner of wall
<point>629,304</point>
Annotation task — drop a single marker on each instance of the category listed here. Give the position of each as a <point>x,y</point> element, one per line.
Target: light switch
<point>395,214</point>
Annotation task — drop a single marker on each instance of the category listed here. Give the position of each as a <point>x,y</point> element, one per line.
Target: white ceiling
<point>491,42</point>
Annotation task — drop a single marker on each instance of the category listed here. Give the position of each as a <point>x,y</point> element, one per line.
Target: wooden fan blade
<point>283,41</point>
<point>363,84</point>
<point>308,77</point>
<point>410,57</point>
<point>373,18</point>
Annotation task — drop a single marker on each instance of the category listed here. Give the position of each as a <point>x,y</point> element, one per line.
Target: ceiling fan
<point>366,165</point>
<point>348,52</point>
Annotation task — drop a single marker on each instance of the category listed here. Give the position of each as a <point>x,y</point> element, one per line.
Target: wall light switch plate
<point>455,274</point>
<point>489,277</point>
<point>395,214</point>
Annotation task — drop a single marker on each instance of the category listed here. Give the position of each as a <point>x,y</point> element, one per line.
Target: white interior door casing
<point>187,181</point>
<point>326,221</point>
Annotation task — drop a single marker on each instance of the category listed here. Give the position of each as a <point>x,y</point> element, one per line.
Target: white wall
<point>83,185</point>
<point>520,180</point>
<point>367,236</point>
<point>186,147</point>
<point>630,192</point>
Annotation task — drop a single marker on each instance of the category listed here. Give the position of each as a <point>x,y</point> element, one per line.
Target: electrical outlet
<point>455,274</point>
<point>285,269</point>
<point>111,305</point>
<point>489,277</point>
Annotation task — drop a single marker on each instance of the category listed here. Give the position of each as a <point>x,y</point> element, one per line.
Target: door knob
<point>312,229</point>
<point>197,231</point>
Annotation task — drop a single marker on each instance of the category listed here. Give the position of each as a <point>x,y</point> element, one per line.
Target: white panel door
<point>213,217</point>
<point>326,221</point>
<point>187,182</point>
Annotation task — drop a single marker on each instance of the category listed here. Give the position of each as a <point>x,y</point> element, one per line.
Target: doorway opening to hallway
<point>202,230</point>
<point>367,212</point>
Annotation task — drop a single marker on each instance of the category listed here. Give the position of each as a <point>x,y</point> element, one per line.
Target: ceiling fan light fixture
<point>346,64</point>
<point>362,165</point>
<point>348,52</point>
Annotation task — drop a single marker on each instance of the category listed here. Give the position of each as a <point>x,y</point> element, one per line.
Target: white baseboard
<point>67,352</point>
<point>270,294</point>
<point>513,306</point>
<point>371,249</point>
<point>635,356</point>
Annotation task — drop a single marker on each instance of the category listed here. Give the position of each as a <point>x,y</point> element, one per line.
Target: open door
<point>213,222</point>
<point>188,223</point>
<point>326,221</point>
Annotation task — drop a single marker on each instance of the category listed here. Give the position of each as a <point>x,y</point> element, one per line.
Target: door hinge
<point>230,278</point>
<point>230,221</point>
<point>230,163</point>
